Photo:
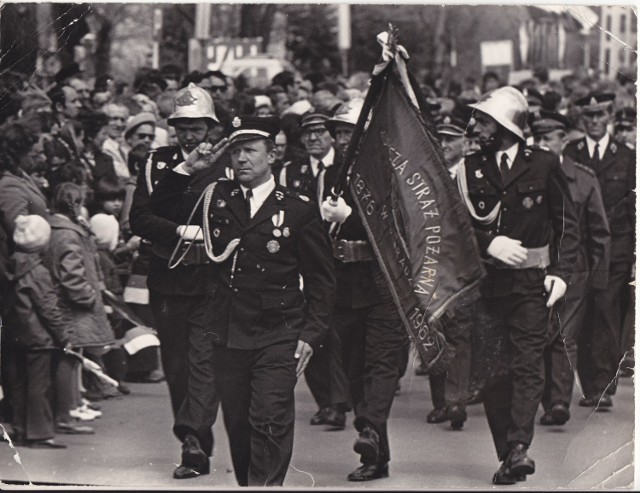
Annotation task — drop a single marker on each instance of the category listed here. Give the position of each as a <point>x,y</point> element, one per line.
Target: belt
<point>537,258</point>
<point>196,255</point>
<point>352,251</point>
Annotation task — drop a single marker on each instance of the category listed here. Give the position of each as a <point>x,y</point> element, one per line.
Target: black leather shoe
<point>504,476</point>
<point>560,413</point>
<point>546,419</point>
<point>187,472</point>
<point>588,401</point>
<point>192,453</point>
<point>604,402</point>
<point>367,472</point>
<point>519,462</point>
<point>457,416</point>
<point>320,418</point>
<point>368,446</point>
<point>336,418</point>
<point>439,415</point>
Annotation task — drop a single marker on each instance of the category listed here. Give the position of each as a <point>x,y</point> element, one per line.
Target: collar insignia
<point>236,122</point>
<point>580,145</point>
<point>613,147</point>
<point>161,165</point>
<point>479,173</point>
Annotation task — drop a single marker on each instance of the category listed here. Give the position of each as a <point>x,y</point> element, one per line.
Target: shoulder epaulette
<point>292,193</point>
<point>585,168</point>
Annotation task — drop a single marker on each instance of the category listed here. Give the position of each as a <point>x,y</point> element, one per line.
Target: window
<point>608,28</point>
<point>623,23</point>
<point>607,60</point>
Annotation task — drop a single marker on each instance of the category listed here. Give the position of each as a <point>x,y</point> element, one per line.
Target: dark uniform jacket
<point>187,279</point>
<point>535,206</point>
<point>593,254</point>
<point>255,298</point>
<point>616,173</point>
<point>298,175</point>
<point>355,285</point>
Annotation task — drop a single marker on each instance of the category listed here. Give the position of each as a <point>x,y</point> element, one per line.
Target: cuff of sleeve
<point>181,169</point>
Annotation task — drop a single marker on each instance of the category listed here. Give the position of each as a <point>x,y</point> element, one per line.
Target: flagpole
<point>375,89</point>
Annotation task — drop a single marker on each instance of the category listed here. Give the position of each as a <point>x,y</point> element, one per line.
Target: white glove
<point>335,212</point>
<point>190,233</point>
<point>557,291</point>
<point>507,250</point>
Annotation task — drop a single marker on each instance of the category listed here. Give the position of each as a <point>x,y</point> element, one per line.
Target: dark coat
<point>184,280</point>
<point>73,263</point>
<point>535,206</point>
<point>255,298</point>
<point>19,195</point>
<point>298,175</point>
<point>595,238</point>
<point>616,173</point>
<point>39,320</point>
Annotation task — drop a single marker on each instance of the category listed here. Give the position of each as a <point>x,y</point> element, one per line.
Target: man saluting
<point>261,238</point>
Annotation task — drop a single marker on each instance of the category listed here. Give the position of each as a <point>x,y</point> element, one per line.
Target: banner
<point>415,220</point>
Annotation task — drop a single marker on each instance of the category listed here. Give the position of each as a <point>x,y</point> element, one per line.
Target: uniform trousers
<point>32,393</point>
<point>256,393</point>
<point>186,352</point>
<point>561,355</point>
<point>603,333</point>
<point>511,402</point>
<point>372,340</point>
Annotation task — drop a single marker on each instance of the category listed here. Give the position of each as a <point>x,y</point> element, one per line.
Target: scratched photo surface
<point>470,165</point>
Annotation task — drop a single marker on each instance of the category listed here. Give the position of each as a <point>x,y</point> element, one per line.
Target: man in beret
<point>261,331</point>
<point>615,167</point>
<point>590,270</point>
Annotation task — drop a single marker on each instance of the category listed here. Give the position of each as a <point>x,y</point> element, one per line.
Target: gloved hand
<point>190,233</point>
<point>507,250</point>
<point>557,291</point>
<point>335,212</point>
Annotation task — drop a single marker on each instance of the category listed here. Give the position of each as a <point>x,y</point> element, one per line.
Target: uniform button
<point>504,208</point>
<point>242,249</point>
<point>239,269</point>
<point>504,192</point>
<point>235,290</point>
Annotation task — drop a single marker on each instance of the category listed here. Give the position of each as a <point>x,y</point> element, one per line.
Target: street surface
<point>133,447</point>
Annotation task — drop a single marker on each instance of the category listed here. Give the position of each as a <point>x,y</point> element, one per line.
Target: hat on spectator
<point>626,118</point>
<point>595,101</point>
<point>299,107</point>
<point>66,72</point>
<point>313,117</point>
<point>249,127</point>
<point>261,101</point>
<point>346,113</point>
<point>106,229</point>
<point>548,122</point>
<point>136,120</point>
<point>36,101</point>
<point>450,125</point>
<point>193,102</point>
<point>32,233</point>
<point>534,98</point>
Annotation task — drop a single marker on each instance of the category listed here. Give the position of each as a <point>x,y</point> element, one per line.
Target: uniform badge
<point>580,145</point>
<point>161,165</point>
<point>527,202</point>
<point>235,192</point>
<point>273,246</point>
<point>304,168</point>
<point>221,203</point>
<point>481,205</point>
<point>216,232</point>
<point>236,122</point>
<point>185,99</point>
<point>479,173</point>
<point>539,199</point>
<point>175,156</point>
<point>277,233</point>
<point>296,183</point>
<point>279,195</point>
<point>613,148</point>
<point>286,232</point>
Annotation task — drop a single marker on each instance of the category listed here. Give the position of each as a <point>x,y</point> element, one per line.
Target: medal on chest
<point>277,220</point>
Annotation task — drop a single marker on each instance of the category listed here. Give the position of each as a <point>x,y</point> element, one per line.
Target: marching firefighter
<point>517,197</point>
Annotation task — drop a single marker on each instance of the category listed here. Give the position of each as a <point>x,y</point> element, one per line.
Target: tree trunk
<point>18,38</point>
<point>256,21</point>
<point>71,25</point>
<point>103,46</point>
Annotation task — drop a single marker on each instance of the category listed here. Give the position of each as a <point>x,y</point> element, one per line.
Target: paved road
<point>133,447</point>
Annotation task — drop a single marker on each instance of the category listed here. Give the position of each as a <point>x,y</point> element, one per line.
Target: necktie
<point>504,166</point>
<point>247,203</point>
<point>320,182</point>
<point>320,167</point>
<point>596,153</point>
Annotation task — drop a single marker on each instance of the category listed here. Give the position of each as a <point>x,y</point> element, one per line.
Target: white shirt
<point>327,161</point>
<point>260,194</point>
<point>603,143</point>
<point>511,153</point>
